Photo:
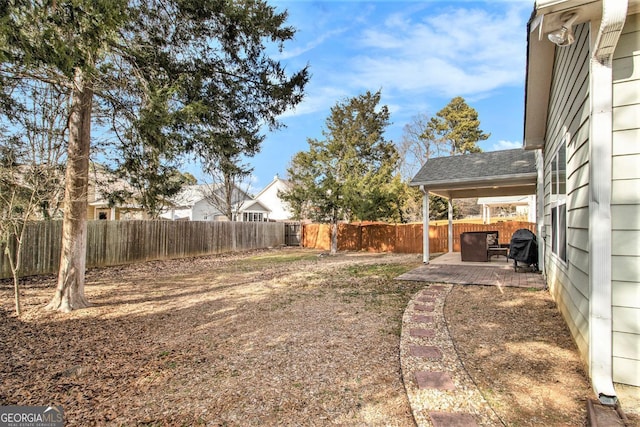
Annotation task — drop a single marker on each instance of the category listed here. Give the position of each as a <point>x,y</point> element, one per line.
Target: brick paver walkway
<point>440,391</point>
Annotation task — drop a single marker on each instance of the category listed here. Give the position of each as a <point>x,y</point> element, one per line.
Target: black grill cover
<point>524,247</point>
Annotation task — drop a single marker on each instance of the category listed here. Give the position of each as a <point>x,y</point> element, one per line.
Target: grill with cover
<point>524,248</point>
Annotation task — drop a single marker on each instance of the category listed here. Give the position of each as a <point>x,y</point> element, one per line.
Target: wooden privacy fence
<point>124,242</point>
<point>401,238</point>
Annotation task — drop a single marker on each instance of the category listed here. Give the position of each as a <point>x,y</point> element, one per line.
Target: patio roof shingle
<point>493,173</point>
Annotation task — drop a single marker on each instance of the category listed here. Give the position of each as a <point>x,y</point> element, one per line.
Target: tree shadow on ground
<point>281,348</point>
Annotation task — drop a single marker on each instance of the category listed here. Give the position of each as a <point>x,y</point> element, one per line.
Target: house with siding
<point>582,112</point>
<point>194,203</point>
<point>270,198</point>
<point>101,184</point>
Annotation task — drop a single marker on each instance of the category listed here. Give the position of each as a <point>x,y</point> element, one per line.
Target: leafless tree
<point>31,164</point>
<point>227,189</point>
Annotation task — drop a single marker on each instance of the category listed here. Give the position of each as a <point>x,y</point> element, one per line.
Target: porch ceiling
<point>495,173</point>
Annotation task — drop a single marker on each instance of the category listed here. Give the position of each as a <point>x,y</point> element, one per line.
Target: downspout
<point>614,13</point>
<point>425,224</point>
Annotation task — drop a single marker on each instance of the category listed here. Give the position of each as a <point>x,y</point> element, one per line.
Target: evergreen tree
<point>160,67</point>
<point>349,174</point>
<point>457,127</point>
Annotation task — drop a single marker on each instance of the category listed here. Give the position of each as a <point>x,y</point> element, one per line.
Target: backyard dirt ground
<point>274,337</point>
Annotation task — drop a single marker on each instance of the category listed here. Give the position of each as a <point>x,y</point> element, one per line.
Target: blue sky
<point>420,54</point>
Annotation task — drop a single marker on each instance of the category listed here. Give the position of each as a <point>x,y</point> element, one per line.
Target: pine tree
<point>456,127</point>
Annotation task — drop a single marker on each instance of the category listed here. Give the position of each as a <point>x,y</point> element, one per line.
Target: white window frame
<point>253,217</point>
<point>559,202</point>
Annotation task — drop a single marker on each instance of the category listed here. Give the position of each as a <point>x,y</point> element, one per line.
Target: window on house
<point>102,215</point>
<point>252,216</point>
<point>559,203</point>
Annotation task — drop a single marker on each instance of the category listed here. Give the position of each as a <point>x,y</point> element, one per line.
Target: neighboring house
<point>269,198</point>
<point>582,111</point>
<point>194,203</point>
<point>525,206</point>
<point>102,182</point>
<point>253,211</point>
<point>99,208</point>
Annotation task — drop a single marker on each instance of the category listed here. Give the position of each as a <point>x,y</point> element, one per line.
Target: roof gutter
<point>614,13</point>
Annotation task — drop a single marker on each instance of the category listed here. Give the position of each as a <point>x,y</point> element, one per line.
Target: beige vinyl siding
<point>569,114</point>
<point>625,205</point>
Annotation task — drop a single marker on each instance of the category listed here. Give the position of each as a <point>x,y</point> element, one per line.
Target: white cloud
<point>506,145</point>
<point>310,45</point>
<point>461,51</point>
<point>413,55</point>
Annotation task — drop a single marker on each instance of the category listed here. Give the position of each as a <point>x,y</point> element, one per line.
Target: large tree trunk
<point>229,210</point>
<point>334,237</point>
<point>70,289</point>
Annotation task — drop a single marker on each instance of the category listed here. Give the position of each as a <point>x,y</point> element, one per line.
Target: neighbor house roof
<point>494,173</point>
<point>189,195</point>
<point>276,180</point>
<point>253,206</point>
<point>192,194</point>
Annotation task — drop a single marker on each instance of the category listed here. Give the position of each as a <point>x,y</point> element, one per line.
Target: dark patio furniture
<point>480,246</point>
<point>501,250</point>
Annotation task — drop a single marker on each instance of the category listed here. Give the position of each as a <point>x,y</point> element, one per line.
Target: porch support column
<point>539,212</point>
<point>113,214</point>
<point>531,212</point>
<point>450,216</point>
<point>425,224</point>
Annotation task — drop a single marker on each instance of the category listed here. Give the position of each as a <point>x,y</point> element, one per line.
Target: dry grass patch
<point>264,338</point>
<point>517,348</point>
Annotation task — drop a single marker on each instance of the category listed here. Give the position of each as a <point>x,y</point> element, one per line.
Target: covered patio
<point>488,174</point>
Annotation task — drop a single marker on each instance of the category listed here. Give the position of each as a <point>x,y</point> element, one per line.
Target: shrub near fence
<point>401,238</point>
<point>123,242</point>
